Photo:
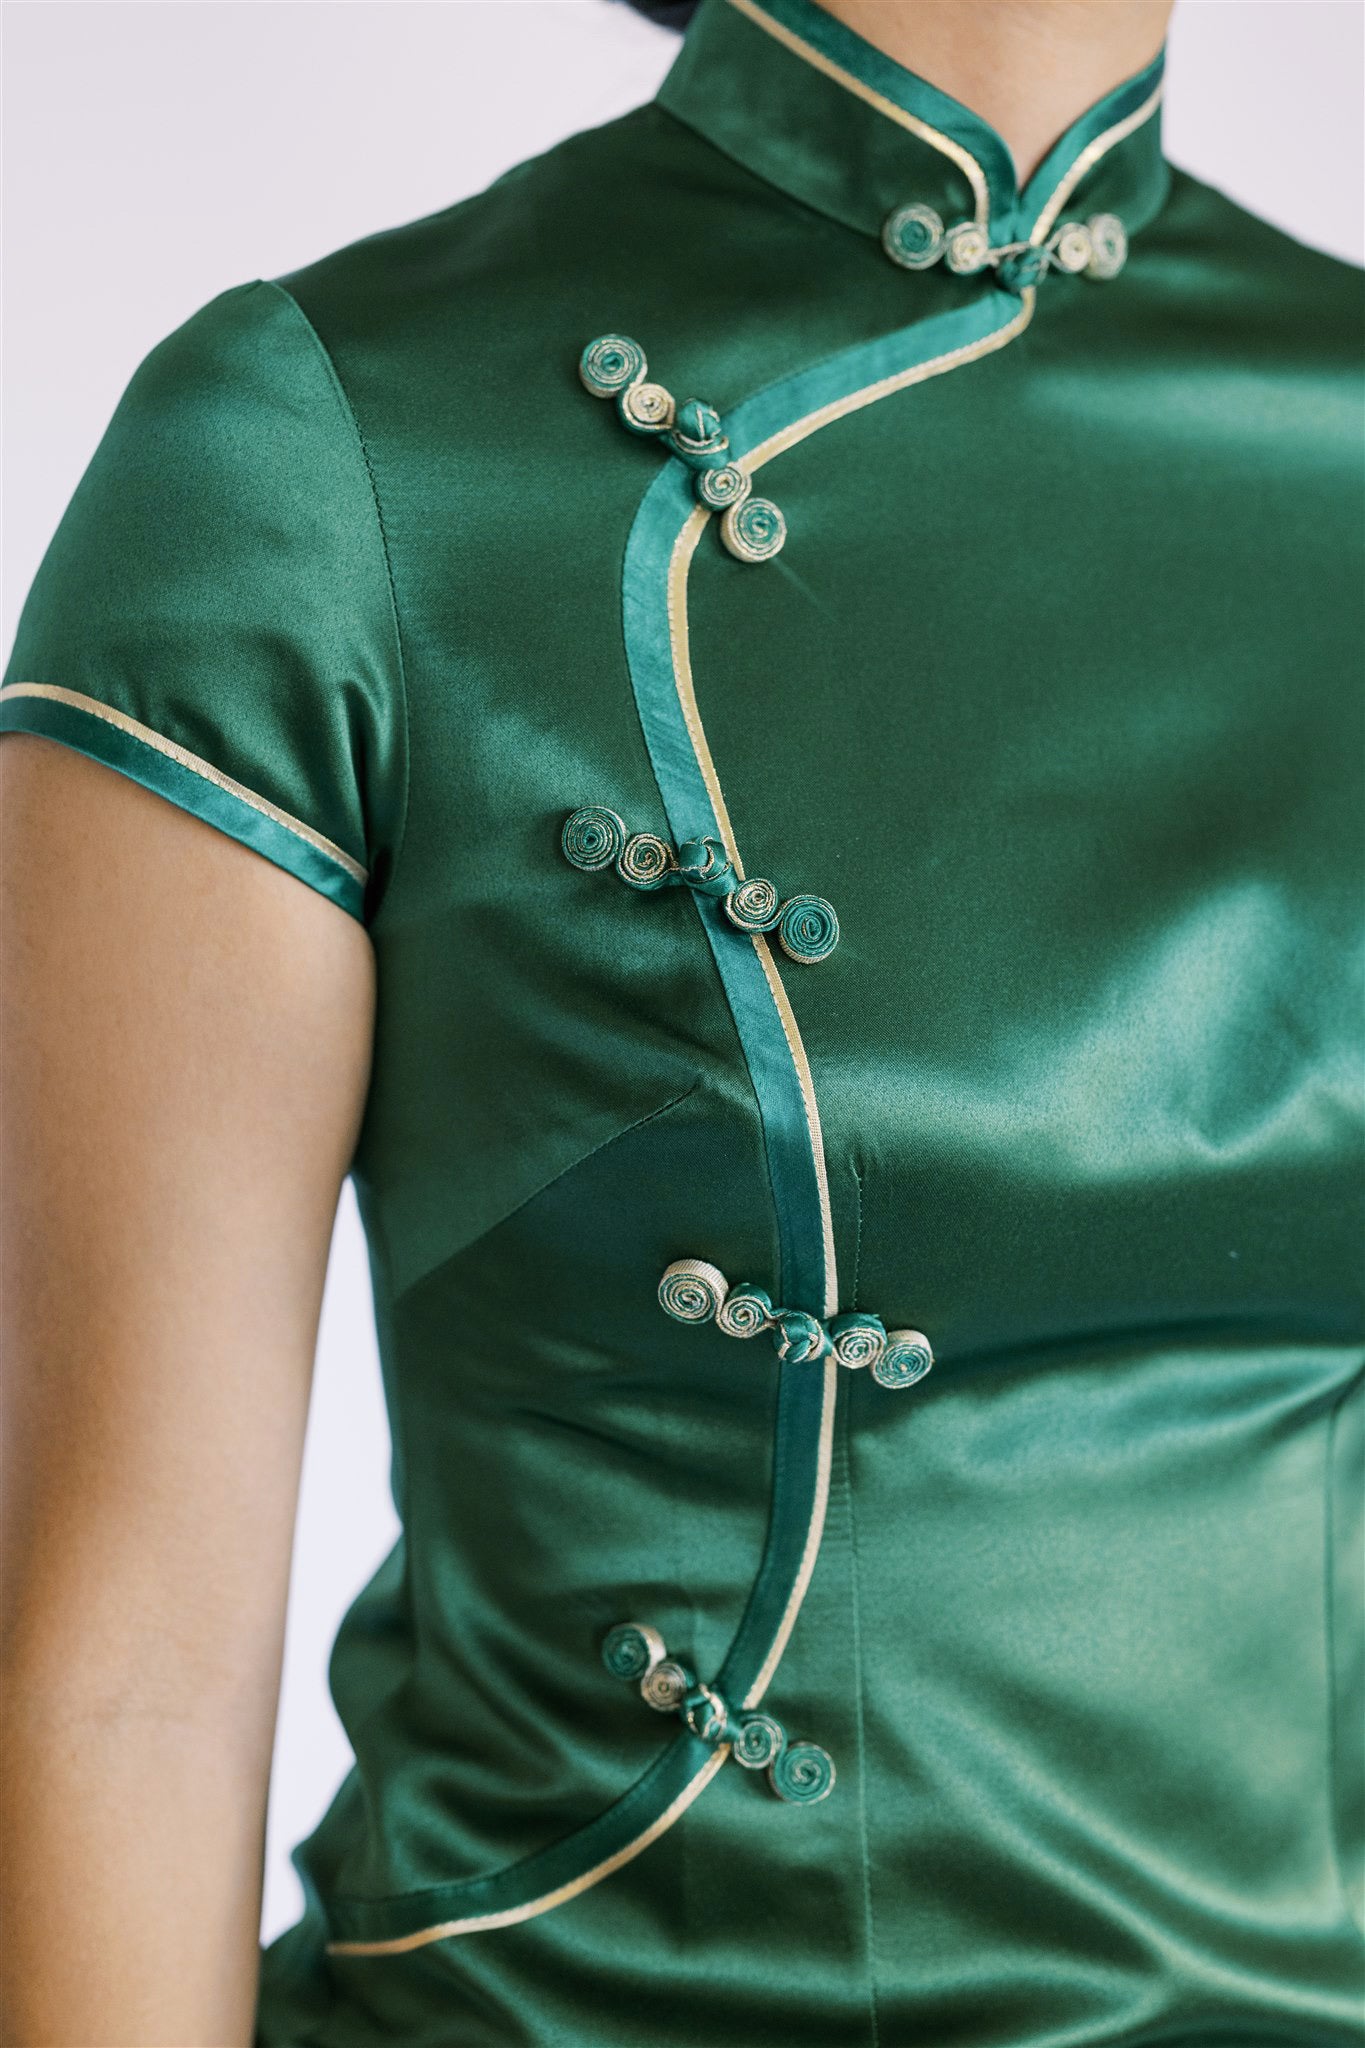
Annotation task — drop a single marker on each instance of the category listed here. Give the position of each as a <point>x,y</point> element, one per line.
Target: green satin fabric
<point>1054,692</point>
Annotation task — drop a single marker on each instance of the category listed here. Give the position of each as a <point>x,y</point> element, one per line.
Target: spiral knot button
<point>632,1649</point>
<point>1108,246</point>
<point>611,364</point>
<point>803,1773</point>
<point>806,927</point>
<point>858,1340</point>
<point>799,1772</point>
<point>913,236</point>
<point>695,1291</point>
<point>751,528</point>
<point>646,861</point>
<point>905,1360</point>
<point>966,248</point>
<point>754,530</point>
<point>592,836</point>
<point>745,1311</point>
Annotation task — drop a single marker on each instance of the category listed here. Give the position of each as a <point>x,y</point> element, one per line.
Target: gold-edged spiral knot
<point>647,408</point>
<point>859,1340</point>
<point>1071,248</point>
<point>754,530</point>
<point>645,861</point>
<point>692,1290</point>
<point>907,1358</point>
<point>719,489</point>
<point>807,929</point>
<point>754,905</point>
<point>666,1685</point>
<point>966,248</point>
<point>745,1311</point>
<point>758,1741</point>
<point>632,1649</point>
<point>610,364</point>
<point>592,836</point>
<point>1108,245</point>
<point>912,236</point>
<point>803,1773</point>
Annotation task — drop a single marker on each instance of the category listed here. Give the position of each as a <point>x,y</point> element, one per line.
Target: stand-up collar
<point>816,109</point>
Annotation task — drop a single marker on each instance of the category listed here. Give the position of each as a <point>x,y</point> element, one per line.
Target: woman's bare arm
<point>186,1049</point>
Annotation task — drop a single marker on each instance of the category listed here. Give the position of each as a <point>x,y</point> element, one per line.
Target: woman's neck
<point>1029,67</point>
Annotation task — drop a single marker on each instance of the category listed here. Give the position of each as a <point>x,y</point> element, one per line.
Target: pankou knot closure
<point>915,237</point>
<point>613,366</point>
<point>802,1773</point>
<point>805,927</point>
<point>694,1291</point>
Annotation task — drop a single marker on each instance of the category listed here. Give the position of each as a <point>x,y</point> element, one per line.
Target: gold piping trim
<point>400,1944</point>
<point>778,443</point>
<point>1090,156</point>
<point>169,748</point>
<point>806,1079</point>
<point>815,1533</point>
<point>683,550</point>
<point>963,158</point>
<point>682,557</point>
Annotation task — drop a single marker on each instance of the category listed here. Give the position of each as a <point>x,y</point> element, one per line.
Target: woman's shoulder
<point>1259,271</point>
<point>559,228</point>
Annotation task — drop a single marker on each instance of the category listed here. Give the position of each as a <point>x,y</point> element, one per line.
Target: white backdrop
<point>156,151</point>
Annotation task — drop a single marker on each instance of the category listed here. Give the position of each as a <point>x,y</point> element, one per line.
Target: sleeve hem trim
<point>189,781</point>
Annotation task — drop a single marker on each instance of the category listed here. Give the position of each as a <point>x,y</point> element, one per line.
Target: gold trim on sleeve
<point>157,741</point>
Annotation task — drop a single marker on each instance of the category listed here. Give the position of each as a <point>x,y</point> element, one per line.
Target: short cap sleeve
<point>214,615</point>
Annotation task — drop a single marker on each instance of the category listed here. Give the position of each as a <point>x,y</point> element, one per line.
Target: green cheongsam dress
<point>834,685</point>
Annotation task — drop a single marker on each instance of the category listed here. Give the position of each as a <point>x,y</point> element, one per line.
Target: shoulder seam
<point>362,444</point>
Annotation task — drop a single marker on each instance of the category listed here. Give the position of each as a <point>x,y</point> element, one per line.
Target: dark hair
<point>668,13</point>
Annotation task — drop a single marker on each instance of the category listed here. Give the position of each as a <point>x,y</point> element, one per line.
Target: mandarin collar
<point>814,108</point>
